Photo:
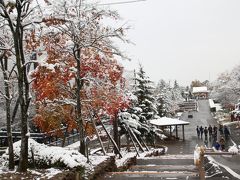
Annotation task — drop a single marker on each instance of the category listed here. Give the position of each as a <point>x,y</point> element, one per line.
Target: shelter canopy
<point>165,121</point>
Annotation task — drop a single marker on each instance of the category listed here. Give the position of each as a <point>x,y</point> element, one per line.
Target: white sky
<point>182,39</point>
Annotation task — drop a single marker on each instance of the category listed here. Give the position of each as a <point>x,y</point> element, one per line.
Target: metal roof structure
<point>165,121</point>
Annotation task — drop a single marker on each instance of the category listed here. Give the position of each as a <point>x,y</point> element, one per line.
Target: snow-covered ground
<point>68,156</point>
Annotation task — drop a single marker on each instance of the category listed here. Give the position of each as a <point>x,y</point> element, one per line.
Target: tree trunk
<point>23,90</point>
<point>77,54</point>
<point>4,66</point>
<point>116,134</point>
<point>23,84</point>
<point>15,110</point>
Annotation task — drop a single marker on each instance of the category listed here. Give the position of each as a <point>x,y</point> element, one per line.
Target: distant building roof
<point>199,89</point>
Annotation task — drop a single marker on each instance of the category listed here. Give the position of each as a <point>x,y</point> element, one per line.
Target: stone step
<point>160,168</point>
<point>167,160</point>
<point>145,175</point>
<point>174,156</point>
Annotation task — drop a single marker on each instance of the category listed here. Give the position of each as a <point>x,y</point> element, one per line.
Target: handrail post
<point>201,165</point>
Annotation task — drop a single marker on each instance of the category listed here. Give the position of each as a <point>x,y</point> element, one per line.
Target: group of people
<point>211,132</point>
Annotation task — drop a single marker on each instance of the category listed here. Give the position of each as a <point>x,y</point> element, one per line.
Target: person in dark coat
<point>206,132</point>
<point>198,131</point>
<point>215,129</point>
<point>210,129</point>
<point>201,131</point>
<point>226,132</point>
<point>221,129</point>
<point>214,133</point>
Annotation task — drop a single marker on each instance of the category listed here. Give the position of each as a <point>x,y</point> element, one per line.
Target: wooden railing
<point>207,151</point>
<point>68,140</point>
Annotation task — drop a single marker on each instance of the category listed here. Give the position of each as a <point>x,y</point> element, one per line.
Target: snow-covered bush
<point>233,149</point>
<point>46,156</point>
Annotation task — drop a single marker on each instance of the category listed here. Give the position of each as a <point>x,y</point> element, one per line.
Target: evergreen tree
<point>134,119</point>
<point>175,86</point>
<point>168,98</point>
<point>161,106</point>
<point>144,93</point>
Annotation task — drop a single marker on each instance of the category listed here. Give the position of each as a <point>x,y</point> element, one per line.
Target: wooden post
<point>99,138</point>
<point>170,131</point>
<point>201,165</point>
<point>183,133</point>
<point>130,135</point>
<point>136,139</point>
<point>176,131</point>
<point>112,140</point>
<point>144,143</point>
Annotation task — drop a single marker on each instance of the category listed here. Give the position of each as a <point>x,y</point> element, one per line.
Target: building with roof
<point>200,92</point>
<point>170,122</point>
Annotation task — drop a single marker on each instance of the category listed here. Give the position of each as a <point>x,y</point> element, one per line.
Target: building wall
<point>201,95</point>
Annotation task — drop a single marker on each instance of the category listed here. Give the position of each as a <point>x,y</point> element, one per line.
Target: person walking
<point>222,143</point>
<point>198,132</point>
<point>221,129</point>
<point>210,129</point>
<point>201,131</point>
<point>226,132</point>
<point>215,129</point>
<point>206,133</point>
<point>214,133</point>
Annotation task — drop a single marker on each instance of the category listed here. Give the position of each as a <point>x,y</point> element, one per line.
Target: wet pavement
<point>203,118</point>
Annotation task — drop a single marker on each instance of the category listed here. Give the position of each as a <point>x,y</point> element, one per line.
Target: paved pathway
<point>179,157</point>
<point>203,118</point>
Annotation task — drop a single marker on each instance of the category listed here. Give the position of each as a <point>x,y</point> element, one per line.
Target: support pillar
<point>176,131</point>
<point>183,133</point>
<point>170,131</point>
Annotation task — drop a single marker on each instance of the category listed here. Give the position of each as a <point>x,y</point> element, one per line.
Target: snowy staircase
<point>162,167</point>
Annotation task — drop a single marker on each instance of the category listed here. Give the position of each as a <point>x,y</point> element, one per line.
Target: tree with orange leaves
<point>79,40</point>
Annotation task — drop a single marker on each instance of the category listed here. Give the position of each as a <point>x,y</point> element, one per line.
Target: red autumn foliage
<point>54,85</point>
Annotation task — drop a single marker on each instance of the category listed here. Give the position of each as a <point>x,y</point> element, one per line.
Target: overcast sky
<point>183,39</point>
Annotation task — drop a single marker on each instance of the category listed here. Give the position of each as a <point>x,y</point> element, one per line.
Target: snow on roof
<point>165,121</point>
<point>199,89</point>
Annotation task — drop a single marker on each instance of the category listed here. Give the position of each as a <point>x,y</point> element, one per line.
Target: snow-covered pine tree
<point>144,92</point>
<point>168,98</point>
<point>161,106</point>
<point>134,119</point>
<point>163,93</point>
